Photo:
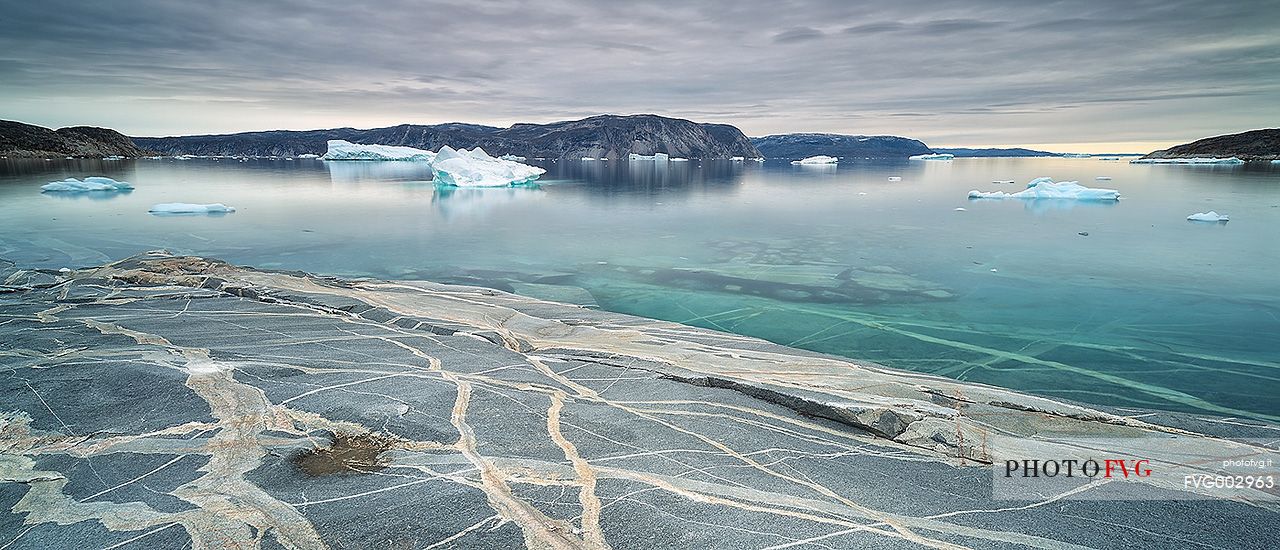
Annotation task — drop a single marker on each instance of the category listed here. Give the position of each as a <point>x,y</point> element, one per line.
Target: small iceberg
<point>1076,155</point>
<point>1046,188</point>
<point>1209,216</point>
<point>1194,160</point>
<point>475,168</point>
<point>92,183</point>
<point>932,156</point>
<point>1002,181</point>
<point>175,208</point>
<point>345,150</point>
<point>589,158</point>
<point>819,159</point>
<point>514,158</point>
<point>679,159</point>
<point>308,156</point>
<point>895,178</point>
<point>738,159</point>
<point>659,157</point>
<point>1103,178</point>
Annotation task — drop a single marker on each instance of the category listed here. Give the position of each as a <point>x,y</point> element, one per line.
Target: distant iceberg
<point>895,178</point>
<point>1076,155</point>
<point>92,183</point>
<point>659,157</point>
<point>819,159</point>
<point>1103,178</point>
<point>475,168</point>
<point>345,150</point>
<point>679,159</point>
<point>1046,188</point>
<point>738,159</point>
<point>1209,216</point>
<point>188,208</point>
<point>932,156</point>
<point>516,158</point>
<point>1195,160</point>
<point>589,158</point>
<point>308,156</point>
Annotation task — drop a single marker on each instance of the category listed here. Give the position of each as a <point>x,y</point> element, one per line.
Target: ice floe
<point>189,208</point>
<point>345,150</point>
<point>1194,160</point>
<point>1076,155</point>
<point>679,159</point>
<point>895,178</point>
<point>819,159</point>
<point>1209,216</point>
<point>515,158</point>
<point>1046,188</point>
<point>92,183</point>
<point>659,157</point>
<point>475,168</point>
<point>738,159</point>
<point>1103,178</point>
<point>308,156</point>
<point>932,156</point>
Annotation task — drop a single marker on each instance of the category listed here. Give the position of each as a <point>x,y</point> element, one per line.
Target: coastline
<point>491,399</point>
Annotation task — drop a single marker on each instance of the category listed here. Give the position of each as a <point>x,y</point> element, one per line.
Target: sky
<point>1086,76</point>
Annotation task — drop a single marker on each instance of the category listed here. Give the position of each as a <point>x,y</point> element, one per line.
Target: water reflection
<point>356,171</point>
<point>455,202</point>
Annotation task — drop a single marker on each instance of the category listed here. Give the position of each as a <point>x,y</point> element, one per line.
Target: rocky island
<point>176,401</point>
<point>604,136</point>
<point>20,140</point>
<point>796,146</point>
<point>1254,145</point>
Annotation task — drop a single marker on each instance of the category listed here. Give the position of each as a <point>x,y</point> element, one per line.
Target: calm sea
<point>1124,304</point>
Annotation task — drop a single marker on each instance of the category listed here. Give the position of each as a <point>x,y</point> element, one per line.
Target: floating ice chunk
<point>932,156</point>
<point>819,159</point>
<point>895,178</point>
<point>761,159</point>
<point>679,159</point>
<point>1195,160</point>
<point>1103,178</point>
<point>1209,216</point>
<point>1001,181</point>
<point>515,158</point>
<point>959,209</point>
<point>475,168</point>
<point>738,159</point>
<point>345,150</point>
<point>188,208</point>
<point>92,183</point>
<point>588,158</point>
<point>659,157</point>
<point>1046,188</point>
<point>308,156</point>
<point>1277,161</point>
<point>1076,155</point>
<point>1108,158</point>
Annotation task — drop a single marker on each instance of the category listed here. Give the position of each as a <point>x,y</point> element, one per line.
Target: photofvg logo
<point>1091,468</point>
<point>1137,468</point>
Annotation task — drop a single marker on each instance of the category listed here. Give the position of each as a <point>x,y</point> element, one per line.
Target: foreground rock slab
<point>166,401</point>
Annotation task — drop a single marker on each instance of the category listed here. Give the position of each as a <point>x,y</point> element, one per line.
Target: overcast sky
<point>1087,76</point>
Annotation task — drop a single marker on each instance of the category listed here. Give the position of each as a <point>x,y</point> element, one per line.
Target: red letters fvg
<point>1108,468</point>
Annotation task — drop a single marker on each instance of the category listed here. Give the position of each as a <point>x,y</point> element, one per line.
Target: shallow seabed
<point>1124,304</point>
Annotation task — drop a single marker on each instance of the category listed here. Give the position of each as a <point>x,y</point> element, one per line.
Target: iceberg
<point>1076,155</point>
<point>516,158</point>
<point>932,156</point>
<point>588,158</point>
<point>679,159</point>
<point>660,157</point>
<point>895,178</point>
<point>738,159</point>
<point>819,159</point>
<point>308,156</point>
<point>345,150</point>
<point>1194,160</point>
<point>1103,178</point>
<point>475,168</point>
<point>92,183</point>
<point>1046,188</point>
<point>1209,216</point>
<point>188,208</point>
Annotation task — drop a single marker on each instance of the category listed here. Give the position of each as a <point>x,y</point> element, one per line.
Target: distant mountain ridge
<point>29,141</point>
<point>1252,145</point>
<point>602,136</point>
<point>795,146</point>
<point>995,152</point>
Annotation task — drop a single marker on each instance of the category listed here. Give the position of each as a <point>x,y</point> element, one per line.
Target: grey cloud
<point>992,71</point>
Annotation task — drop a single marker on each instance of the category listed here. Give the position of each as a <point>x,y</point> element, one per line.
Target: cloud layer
<point>990,72</point>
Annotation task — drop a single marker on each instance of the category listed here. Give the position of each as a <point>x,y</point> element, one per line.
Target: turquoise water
<point>1147,310</point>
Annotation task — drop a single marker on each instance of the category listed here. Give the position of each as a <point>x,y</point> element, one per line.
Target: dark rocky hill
<point>795,146</point>
<point>26,140</point>
<point>610,136</point>
<point>1251,145</point>
<point>995,152</point>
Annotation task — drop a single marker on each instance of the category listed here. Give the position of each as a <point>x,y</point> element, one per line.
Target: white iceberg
<point>1076,155</point>
<point>819,159</point>
<point>895,178</point>
<point>659,157</point>
<point>679,159</point>
<point>475,168</point>
<point>1001,181</point>
<point>737,159</point>
<point>1046,188</point>
<point>1103,178</point>
<point>92,183</point>
<point>1209,216</point>
<point>1277,161</point>
<point>588,158</point>
<point>932,156</point>
<point>1194,160</point>
<point>188,208</point>
<point>345,150</point>
<point>308,156</point>
<point>516,158</point>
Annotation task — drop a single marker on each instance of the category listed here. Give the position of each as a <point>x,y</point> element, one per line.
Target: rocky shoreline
<point>179,401</point>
